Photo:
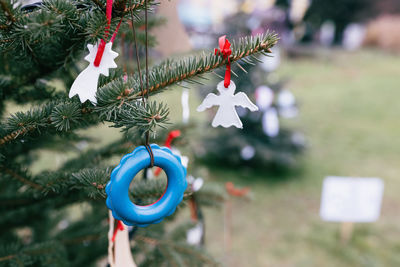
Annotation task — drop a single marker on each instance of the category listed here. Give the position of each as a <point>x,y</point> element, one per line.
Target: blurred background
<point>328,106</point>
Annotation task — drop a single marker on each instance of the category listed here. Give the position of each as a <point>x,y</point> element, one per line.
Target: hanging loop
<point>148,147</point>
<point>226,52</point>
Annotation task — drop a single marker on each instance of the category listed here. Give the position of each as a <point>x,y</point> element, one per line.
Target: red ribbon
<point>171,136</point>
<point>120,227</point>
<point>102,44</point>
<point>225,51</point>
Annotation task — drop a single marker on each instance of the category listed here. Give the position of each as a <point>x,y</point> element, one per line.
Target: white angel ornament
<point>227,101</point>
<point>85,85</point>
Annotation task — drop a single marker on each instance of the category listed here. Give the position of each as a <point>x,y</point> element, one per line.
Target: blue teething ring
<point>117,189</point>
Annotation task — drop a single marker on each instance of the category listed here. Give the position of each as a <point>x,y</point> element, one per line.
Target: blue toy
<point>117,189</point>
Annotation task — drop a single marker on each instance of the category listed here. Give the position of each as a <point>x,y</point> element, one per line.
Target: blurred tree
<point>341,12</point>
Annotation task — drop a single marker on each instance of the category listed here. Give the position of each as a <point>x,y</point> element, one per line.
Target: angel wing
<point>241,99</point>
<point>210,100</point>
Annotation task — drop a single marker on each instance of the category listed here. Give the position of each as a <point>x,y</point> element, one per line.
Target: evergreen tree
<point>40,46</point>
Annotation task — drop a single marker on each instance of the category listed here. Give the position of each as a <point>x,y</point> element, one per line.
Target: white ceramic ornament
<point>185,106</point>
<point>264,97</point>
<point>227,100</point>
<point>85,85</point>
<point>119,250</point>
<point>287,104</point>
<point>247,152</point>
<point>195,235</point>
<point>271,62</point>
<point>270,122</point>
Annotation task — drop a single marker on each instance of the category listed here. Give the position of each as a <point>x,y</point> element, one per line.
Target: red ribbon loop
<point>226,52</point>
<point>171,136</point>
<point>102,45</point>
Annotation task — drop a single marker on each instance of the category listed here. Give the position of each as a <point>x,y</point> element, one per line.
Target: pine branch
<point>54,116</point>
<point>15,134</point>
<point>139,5</point>
<point>96,156</point>
<point>21,179</point>
<point>99,4</point>
<point>173,72</point>
<point>53,34</point>
<point>182,248</point>
<point>41,254</point>
<point>8,13</point>
<point>118,100</point>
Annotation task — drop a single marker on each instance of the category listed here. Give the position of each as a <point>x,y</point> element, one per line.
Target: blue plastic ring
<point>118,188</point>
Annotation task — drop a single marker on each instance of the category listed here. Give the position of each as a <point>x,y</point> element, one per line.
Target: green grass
<point>350,115</point>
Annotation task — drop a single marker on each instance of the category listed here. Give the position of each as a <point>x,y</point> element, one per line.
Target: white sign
<point>348,199</point>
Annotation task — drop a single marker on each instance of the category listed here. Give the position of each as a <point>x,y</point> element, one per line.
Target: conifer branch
<point>170,72</point>
<point>22,179</point>
<point>117,99</point>
<point>8,13</point>
<point>15,134</point>
<point>181,248</point>
<point>99,4</point>
<point>137,6</point>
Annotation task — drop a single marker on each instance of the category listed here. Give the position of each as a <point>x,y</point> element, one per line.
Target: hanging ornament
<point>287,104</point>
<point>85,85</point>
<point>119,249</point>
<point>118,188</point>
<point>227,100</point>
<point>101,59</point>
<point>185,106</point>
<point>248,152</point>
<point>195,235</point>
<point>271,62</point>
<point>264,97</point>
<point>270,122</point>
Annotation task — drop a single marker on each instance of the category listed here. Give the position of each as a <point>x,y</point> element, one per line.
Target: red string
<point>102,45</point>
<point>116,31</point>
<point>225,50</point>
<point>120,227</point>
<point>171,136</point>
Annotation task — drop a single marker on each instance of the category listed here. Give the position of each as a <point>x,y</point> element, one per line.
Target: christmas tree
<point>41,45</point>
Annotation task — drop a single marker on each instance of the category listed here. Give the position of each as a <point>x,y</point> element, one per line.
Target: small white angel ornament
<point>85,85</point>
<point>227,100</point>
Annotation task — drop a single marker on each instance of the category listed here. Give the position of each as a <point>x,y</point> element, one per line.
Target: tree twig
<point>22,179</point>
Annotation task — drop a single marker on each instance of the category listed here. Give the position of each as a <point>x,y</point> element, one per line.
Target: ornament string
<point>147,81</point>
<point>144,96</point>
<point>137,55</point>
<point>225,51</point>
<point>103,41</point>
<point>171,136</point>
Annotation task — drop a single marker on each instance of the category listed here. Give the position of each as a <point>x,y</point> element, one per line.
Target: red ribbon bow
<point>225,51</point>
